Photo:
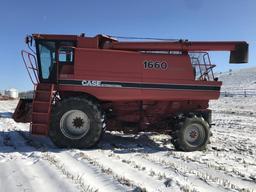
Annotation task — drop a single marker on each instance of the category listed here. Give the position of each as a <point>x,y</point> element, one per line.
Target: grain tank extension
<point>85,85</point>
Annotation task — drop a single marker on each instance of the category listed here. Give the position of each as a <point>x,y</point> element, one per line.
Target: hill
<point>238,79</point>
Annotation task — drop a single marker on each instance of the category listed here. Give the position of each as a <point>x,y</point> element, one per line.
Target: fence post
<point>245,93</point>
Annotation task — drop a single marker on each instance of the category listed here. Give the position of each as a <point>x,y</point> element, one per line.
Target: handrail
<point>206,63</point>
<point>30,66</point>
<point>210,63</point>
<point>198,64</point>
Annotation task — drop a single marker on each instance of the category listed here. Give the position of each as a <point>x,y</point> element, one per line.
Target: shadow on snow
<point>23,141</point>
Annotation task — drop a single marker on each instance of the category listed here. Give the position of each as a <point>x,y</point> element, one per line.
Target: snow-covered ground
<point>238,79</point>
<point>143,162</point>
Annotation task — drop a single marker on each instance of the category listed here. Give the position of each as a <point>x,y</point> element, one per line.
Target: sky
<point>173,19</point>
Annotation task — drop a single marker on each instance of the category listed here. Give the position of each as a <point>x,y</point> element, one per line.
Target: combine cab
<point>84,85</point>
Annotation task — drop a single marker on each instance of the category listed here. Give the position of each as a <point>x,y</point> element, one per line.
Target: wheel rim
<point>194,135</point>
<point>74,124</point>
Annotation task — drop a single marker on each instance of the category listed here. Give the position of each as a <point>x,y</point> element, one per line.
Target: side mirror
<point>28,40</point>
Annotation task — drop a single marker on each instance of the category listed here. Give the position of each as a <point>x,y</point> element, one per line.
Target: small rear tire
<point>76,123</point>
<point>191,134</point>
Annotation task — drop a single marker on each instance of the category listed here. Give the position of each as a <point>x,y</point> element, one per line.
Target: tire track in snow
<point>172,178</point>
<point>96,177</point>
<point>223,165</point>
<point>12,178</point>
<point>40,177</point>
<point>63,164</point>
<point>237,138</point>
<point>30,170</point>
<point>204,172</point>
<point>128,173</point>
<point>200,169</point>
<point>85,174</point>
<point>198,176</point>
<point>32,152</point>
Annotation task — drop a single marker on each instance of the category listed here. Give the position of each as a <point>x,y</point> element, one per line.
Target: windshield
<point>47,59</point>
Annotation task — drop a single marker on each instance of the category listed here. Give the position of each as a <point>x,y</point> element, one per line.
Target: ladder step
<point>42,86</point>
<point>41,102</point>
<point>39,113</point>
<point>41,118</point>
<point>41,106</point>
<point>43,95</point>
<point>39,129</point>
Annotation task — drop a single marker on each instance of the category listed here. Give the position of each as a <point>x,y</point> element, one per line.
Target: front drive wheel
<point>192,134</point>
<point>76,122</point>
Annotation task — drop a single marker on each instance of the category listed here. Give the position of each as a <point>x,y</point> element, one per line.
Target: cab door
<point>46,57</point>
<point>54,58</point>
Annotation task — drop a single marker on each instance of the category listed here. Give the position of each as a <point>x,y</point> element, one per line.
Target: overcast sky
<point>186,19</point>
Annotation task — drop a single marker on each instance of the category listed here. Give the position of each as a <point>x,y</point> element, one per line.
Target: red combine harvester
<point>84,85</point>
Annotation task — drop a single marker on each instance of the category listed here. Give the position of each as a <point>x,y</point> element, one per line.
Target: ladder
<point>41,109</point>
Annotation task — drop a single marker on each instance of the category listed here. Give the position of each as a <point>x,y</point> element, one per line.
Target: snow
<point>142,162</point>
<point>239,79</point>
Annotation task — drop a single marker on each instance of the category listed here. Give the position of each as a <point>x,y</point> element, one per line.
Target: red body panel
<point>129,94</point>
<point>96,64</point>
<point>124,66</point>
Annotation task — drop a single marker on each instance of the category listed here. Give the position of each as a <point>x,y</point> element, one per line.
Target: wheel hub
<point>74,124</point>
<point>194,134</point>
<point>78,122</point>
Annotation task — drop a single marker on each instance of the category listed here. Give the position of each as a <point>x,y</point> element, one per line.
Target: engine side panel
<point>126,75</point>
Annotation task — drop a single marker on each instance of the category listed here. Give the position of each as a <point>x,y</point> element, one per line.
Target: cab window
<point>66,57</point>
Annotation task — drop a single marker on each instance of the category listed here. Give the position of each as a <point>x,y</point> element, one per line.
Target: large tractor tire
<point>191,134</point>
<point>76,123</point>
